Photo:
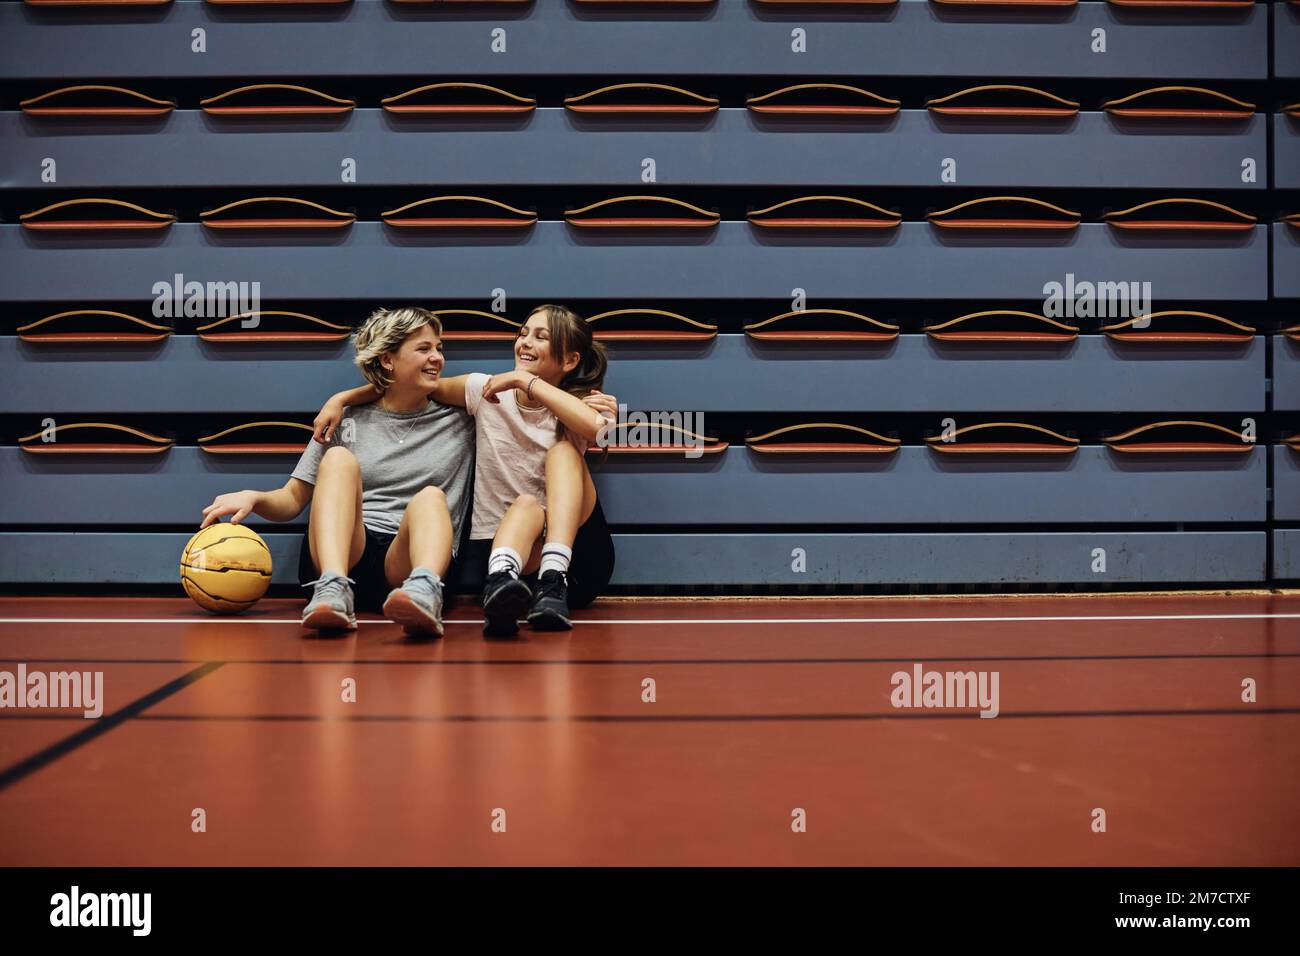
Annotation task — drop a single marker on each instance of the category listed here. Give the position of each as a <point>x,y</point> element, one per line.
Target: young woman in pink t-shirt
<point>535,505</point>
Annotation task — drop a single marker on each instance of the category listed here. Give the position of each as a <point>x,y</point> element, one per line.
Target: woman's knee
<point>563,456</point>
<point>527,505</point>
<point>339,459</point>
<point>563,451</point>
<point>430,496</point>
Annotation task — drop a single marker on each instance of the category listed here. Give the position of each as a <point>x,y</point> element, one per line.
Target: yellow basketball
<point>226,568</point>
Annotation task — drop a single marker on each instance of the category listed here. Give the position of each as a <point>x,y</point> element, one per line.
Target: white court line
<point>671,620</point>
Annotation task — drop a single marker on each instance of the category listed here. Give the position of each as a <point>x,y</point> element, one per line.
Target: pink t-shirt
<point>510,457</point>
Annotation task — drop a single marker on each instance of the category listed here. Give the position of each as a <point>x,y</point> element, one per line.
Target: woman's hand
<point>331,414</point>
<point>237,503</point>
<point>605,405</point>
<point>503,382</point>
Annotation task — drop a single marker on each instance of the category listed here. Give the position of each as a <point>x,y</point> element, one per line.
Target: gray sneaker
<point>417,604</point>
<point>331,605</point>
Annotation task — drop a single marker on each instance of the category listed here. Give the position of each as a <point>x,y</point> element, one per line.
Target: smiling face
<point>533,351</point>
<point>418,361</point>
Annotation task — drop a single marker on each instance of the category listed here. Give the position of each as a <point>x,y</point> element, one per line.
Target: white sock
<point>555,557</point>
<point>505,559</point>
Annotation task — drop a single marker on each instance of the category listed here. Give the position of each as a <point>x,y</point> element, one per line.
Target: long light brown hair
<point>570,333</point>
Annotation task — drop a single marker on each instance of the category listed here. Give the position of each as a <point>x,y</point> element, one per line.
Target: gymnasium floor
<point>1129,703</point>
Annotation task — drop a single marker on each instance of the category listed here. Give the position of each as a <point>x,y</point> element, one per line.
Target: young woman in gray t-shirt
<point>388,490</point>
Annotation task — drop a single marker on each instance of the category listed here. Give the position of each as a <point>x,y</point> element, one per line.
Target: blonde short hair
<point>385,331</point>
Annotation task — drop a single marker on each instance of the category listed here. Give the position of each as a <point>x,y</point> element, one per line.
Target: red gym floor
<point>1131,704</point>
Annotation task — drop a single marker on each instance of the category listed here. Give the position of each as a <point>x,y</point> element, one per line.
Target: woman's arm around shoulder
<point>450,391</point>
<point>331,413</point>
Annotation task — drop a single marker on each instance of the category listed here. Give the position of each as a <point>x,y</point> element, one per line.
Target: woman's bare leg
<point>521,528</point>
<point>570,493</point>
<point>570,500</point>
<point>505,596</point>
<point>336,538</point>
<point>424,538</point>
<point>421,550</point>
<point>335,533</point>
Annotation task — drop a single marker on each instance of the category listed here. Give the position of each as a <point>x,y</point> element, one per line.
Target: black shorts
<point>372,585</point>
<point>589,571</point>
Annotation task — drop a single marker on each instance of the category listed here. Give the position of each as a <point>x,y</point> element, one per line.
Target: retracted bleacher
<point>827,234</point>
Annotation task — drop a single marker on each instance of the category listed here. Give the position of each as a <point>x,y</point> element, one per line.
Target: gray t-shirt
<point>400,453</point>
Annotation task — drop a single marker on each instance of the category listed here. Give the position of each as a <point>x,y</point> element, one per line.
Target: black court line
<point>650,661</point>
<point>25,768</point>
<point>902,714</point>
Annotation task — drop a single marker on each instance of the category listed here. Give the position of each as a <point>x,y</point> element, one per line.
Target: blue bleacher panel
<point>1286,373</point>
<point>755,559</point>
<point>555,147</point>
<point>1286,483</point>
<point>1286,41</point>
<point>1286,146</point>
<point>1286,261</point>
<point>1286,554</point>
<point>554,260</point>
<point>736,487</point>
<point>996,558</point>
<point>918,485</point>
<point>732,37</point>
<point>916,373</point>
<point>730,373</point>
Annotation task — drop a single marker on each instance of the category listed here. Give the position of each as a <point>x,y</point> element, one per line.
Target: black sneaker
<point>550,610</point>
<point>504,598</point>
